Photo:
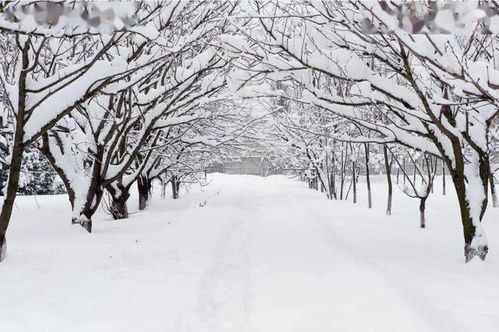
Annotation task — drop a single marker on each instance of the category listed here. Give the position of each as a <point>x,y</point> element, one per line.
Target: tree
<point>425,166</point>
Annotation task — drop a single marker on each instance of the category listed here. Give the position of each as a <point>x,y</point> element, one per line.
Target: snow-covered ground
<point>263,254</point>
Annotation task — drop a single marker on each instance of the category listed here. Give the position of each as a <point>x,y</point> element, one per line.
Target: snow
<point>70,93</point>
<point>263,254</point>
<point>173,121</point>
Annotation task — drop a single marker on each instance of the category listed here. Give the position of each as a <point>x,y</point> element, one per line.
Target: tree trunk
<point>84,211</point>
<point>10,195</point>
<point>84,220</point>
<point>414,173</point>
<point>389,181</point>
<point>332,186</point>
<point>163,189</point>
<point>17,155</point>
<point>493,191</point>
<point>175,187</point>
<point>422,208</point>
<point>342,175</point>
<point>354,183</point>
<point>475,243</point>
<point>119,198</point>
<point>119,209</point>
<point>443,179</point>
<point>144,188</point>
<point>403,166</point>
<point>3,247</point>
<point>333,176</point>
<point>83,217</point>
<point>342,185</point>
<point>368,178</point>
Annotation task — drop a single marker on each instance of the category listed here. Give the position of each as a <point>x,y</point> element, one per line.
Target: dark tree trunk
<point>493,191</point>
<point>175,187</point>
<point>469,229</point>
<point>3,247</point>
<point>332,186</point>
<point>10,195</point>
<point>163,189</point>
<point>84,217</point>
<point>403,166</point>
<point>388,168</point>
<point>144,187</point>
<point>17,155</point>
<point>443,178</point>
<point>354,183</point>
<point>484,173</point>
<point>368,178</point>
<point>342,184</point>
<point>119,198</point>
<point>93,198</point>
<point>333,177</point>
<point>343,175</point>
<point>422,208</point>
<point>414,173</point>
<point>119,209</point>
<point>84,220</point>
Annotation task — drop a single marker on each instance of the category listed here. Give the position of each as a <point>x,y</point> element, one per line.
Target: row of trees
<point>309,145</point>
<point>434,93</point>
<point>111,105</point>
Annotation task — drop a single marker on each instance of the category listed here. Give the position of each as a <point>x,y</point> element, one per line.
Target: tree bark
<point>163,188</point>
<point>368,178</point>
<point>332,186</point>
<point>119,209</point>
<point>10,194</point>
<point>83,217</point>
<point>469,228</point>
<point>16,157</point>
<point>175,187</point>
<point>144,188</point>
<point>3,247</point>
<point>119,198</point>
<point>443,179</point>
<point>333,176</point>
<point>422,208</point>
<point>493,191</point>
<point>389,181</point>
<point>403,167</point>
<point>354,183</point>
<point>84,220</point>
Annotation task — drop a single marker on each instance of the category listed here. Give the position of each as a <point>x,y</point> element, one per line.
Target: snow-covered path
<point>260,254</point>
<point>284,264</point>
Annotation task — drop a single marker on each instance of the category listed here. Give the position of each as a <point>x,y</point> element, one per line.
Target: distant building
<point>252,163</point>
